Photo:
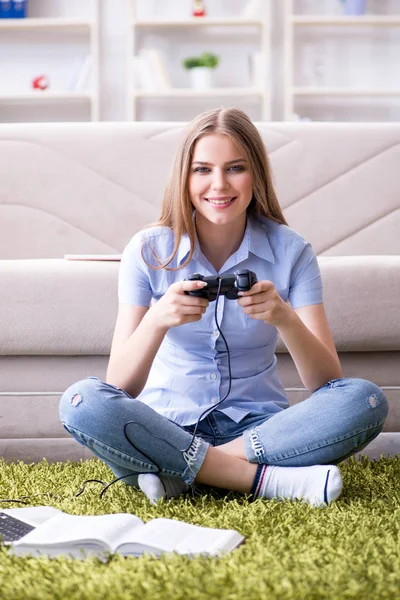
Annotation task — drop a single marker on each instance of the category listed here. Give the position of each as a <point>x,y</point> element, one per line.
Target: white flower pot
<point>201,78</point>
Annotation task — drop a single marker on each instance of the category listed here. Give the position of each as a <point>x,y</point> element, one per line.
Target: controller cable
<point>208,410</point>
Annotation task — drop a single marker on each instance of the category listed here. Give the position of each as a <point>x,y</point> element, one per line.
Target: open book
<point>81,536</point>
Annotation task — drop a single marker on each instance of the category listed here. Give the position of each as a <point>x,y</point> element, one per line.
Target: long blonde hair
<point>177,208</point>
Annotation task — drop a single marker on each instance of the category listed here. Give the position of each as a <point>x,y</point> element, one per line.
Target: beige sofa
<point>87,188</point>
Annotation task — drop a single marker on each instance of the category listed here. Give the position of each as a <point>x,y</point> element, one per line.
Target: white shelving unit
<point>39,27</point>
<point>262,30</point>
<point>293,23</point>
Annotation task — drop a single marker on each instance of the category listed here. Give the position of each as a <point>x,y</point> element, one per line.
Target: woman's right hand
<point>177,308</point>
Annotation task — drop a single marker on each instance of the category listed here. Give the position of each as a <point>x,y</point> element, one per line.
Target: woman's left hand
<point>262,302</point>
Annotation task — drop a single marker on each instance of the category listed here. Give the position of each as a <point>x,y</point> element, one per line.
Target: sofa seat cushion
<point>361,298</point>
<point>61,307</point>
<point>57,306</point>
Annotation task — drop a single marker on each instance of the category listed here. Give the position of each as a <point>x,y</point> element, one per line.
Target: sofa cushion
<point>61,307</point>
<point>57,306</point>
<point>361,298</point>
<point>88,187</point>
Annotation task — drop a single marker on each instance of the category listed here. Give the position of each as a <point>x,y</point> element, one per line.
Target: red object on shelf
<point>198,9</point>
<point>41,82</point>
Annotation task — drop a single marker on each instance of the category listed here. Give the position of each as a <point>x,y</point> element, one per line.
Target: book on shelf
<point>59,533</point>
<point>258,70</point>
<point>253,9</point>
<point>82,70</point>
<point>6,9</point>
<point>150,71</point>
<point>13,9</point>
<point>102,257</point>
<point>19,9</point>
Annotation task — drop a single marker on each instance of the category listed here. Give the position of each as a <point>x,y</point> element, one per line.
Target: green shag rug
<point>350,549</point>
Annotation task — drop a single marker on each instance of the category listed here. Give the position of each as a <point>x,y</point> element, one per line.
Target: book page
<point>66,530</point>
<point>167,535</point>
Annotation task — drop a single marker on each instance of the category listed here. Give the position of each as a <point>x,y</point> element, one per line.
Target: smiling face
<point>220,181</point>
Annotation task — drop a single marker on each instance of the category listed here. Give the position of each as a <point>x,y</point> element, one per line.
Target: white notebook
<point>104,257</point>
<point>126,534</point>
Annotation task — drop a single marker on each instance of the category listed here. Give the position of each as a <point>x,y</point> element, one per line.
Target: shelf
<point>244,87</point>
<point>32,24</point>
<point>200,22</point>
<point>66,34</point>
<point>367,20</point>
<point>189,93</point>
<point>44,96</point>
<point>323,92</point>
<point>342,91</point>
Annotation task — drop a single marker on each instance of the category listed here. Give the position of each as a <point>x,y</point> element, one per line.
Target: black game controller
<point>240,281</point>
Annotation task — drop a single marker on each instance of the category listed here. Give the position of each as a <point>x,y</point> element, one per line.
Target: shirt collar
<point>258,238</point>
<point>255,240</point>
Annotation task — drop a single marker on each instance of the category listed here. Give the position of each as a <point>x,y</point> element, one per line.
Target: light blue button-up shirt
<point>190,371</point>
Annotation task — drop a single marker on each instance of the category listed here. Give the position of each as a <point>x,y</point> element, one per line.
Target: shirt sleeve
<point>134,286</point>
<point>305,280</point>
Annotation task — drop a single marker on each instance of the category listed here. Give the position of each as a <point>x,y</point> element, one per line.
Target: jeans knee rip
<point>335,382</point>
<point>76,399</point>
<point>372,401</point>
<point>256,445</point>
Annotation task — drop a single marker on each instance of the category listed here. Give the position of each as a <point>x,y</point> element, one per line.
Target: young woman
<point>161,420</point>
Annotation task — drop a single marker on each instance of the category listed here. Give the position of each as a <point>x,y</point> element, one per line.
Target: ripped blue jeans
<point>336,421</point>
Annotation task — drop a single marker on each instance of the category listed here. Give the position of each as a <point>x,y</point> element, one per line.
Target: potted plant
<point>200,69</point>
